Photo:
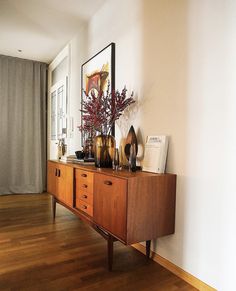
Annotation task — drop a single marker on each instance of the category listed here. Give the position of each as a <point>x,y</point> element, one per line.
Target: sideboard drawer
<point>110,204</point>
<point>85,196</point>
<point>84,181</point>
<point>85,207</point>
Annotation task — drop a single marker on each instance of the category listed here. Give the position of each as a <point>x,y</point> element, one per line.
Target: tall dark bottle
<point>132,157</point>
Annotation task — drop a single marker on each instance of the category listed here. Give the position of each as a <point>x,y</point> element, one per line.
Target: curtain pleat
<point>22,126</point>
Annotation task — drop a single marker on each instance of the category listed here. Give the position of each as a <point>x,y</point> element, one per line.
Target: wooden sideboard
<point>120,205</point>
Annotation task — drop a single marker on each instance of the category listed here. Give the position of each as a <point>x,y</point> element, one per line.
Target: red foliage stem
<point>100,112</point>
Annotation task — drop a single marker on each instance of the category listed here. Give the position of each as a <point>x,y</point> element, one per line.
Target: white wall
<point>79,54</point>
<point>179,58</point>
<point>121,23</point>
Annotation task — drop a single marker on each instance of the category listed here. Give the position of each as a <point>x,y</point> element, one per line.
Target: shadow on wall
<point>164,108</point>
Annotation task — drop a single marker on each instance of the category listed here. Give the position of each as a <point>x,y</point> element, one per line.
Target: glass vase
<point>104,149</point>
<point>88,149</point>
<point>116,160</point>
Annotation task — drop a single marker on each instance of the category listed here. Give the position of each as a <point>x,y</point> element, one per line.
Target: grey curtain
<point>22,125</point>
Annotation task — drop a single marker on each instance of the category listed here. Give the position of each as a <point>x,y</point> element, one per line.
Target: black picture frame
<point>93,64</point>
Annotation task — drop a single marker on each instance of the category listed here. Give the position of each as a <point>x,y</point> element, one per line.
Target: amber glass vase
<point>104,149</point>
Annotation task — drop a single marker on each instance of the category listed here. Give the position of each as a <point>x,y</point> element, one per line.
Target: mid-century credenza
<point>120,205</point>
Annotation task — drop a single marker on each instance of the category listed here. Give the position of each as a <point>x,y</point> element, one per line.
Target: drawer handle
<point>56,172</point>
<point>59,173</point>
<point>84,175</point>
<point>109,183</point>
<point>84,207</point>
<point>85,186</point>
<point>85,196</point>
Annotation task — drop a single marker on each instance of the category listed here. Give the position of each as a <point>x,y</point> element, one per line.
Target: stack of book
<point>73,159</point>
<point>68,159</point>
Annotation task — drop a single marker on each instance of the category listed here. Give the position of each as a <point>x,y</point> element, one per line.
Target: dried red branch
<point>99,113</point>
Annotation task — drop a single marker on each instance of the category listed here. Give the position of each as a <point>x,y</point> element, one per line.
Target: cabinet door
<point>110,201</point>
<point>52,178</point>
<point>65,184</point>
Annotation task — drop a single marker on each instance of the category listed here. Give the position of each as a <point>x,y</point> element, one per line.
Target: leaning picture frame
<point>96,73</point>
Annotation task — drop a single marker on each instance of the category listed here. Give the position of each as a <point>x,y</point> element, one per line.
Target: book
<point>155,154</point>
<point>69,158</point>
<point>83,162</point>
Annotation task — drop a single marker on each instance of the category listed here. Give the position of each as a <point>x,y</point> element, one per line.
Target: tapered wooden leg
<point>110,252</point>
<point>54,203</point>
<point>148,246</point>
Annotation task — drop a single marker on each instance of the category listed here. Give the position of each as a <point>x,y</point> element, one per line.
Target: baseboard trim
<point>195,282</point>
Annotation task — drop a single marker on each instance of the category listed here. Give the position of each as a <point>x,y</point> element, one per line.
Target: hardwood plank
<point>197,283</point>
<point>39,254</point>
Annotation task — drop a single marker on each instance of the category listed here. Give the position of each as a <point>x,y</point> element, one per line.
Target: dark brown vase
<point>131,139</point>
<point>104,149</point>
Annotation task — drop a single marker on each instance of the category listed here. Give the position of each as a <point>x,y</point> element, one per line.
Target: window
<point>59,110</point>
<point>58,102</point>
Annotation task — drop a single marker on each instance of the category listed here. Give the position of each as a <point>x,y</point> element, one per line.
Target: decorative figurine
<point>131,139</point>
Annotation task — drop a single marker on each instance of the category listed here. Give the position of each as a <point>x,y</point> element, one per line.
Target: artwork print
<point>97,73</point>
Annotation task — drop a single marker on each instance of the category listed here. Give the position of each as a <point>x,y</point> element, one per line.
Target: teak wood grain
<point>38,253</point>
<point>85,207</point>
<point>85,196</point>
<point>65,185</point>
<point>84,180</point>
<point>60,182</point>
<point>51,178</point>
<point>84,191</point>
<point>151,207</point>
<point>110,204</point>
<point>131,207</point>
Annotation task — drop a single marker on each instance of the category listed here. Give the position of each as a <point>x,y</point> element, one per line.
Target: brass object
<point>131,139</point>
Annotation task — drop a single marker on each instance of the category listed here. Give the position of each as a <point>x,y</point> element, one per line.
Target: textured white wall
<point>179,58</point>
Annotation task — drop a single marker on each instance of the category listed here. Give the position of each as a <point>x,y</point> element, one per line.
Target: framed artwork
<point>97,73</point>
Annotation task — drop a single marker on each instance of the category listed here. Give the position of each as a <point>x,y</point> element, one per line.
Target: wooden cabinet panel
<point>84,191</point>
<point>52,178</point>
<point>133,207</point>
<point>85,196</point>
<point>60,182</point>
<point>85,207</point>
<point>151,207</point>
<point>84,181</point>
<point>110,198</point>
<point>65,184</point>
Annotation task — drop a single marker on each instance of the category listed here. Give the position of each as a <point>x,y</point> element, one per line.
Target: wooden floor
<point>37,254</point>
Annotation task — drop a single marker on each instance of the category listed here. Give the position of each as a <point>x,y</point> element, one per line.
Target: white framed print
<point>155,154</point>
